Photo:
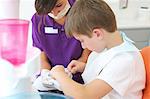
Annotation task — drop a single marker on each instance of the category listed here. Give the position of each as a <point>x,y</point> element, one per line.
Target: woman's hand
<point>76,66</point>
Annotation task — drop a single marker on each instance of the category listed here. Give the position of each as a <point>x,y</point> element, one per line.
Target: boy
<point>114,69</point>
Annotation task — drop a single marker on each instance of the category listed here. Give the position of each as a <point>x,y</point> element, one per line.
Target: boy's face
<point>94,43</point>
<point>85,41</point>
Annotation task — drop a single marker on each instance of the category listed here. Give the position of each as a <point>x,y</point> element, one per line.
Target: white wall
<point>25,12</point>
<point>9,9</point>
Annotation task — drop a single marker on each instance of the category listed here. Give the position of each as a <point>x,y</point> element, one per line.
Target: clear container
<point>13,40</point>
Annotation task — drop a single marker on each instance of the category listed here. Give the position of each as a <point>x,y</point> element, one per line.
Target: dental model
<point>49,83</point>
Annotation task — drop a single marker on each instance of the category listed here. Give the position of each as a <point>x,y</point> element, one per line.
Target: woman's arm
<point>84,55</point>
<point>45,62</point>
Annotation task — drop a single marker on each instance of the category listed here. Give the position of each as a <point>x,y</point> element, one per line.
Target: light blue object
<point>23,96</point>
<point>40,95</point>
<point>47,95</point>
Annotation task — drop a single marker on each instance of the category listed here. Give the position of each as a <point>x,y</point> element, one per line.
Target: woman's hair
<point>87,15</point>
<point>44,6</point>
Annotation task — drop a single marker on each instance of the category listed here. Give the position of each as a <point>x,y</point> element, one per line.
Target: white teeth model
<point>49,83</point>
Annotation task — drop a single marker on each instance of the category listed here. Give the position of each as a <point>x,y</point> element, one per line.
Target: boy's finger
<point>73,71</point>
<point>70,66</point>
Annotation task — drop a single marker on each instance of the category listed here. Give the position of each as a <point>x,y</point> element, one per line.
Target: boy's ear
<point>98,33</point>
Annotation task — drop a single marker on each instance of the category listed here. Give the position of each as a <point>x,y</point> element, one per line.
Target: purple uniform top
<point>50,37</point>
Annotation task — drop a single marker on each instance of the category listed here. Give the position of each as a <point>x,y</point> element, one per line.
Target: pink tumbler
<point>13,40</point>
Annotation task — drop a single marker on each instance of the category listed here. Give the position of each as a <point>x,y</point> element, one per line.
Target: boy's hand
<point>76,66</point>
<point>56,70</point>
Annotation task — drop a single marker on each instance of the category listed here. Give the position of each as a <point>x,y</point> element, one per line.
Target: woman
<point>49,36</point>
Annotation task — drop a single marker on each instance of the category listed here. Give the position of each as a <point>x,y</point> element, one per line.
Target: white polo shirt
<point>121,67</point>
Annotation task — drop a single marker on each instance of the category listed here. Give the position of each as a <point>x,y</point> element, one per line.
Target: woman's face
<point>60,5</point>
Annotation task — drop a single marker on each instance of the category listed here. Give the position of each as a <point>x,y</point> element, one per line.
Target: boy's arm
<point>94,90</point>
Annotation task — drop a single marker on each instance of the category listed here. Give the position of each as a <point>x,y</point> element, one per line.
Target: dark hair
<point>85,15</point>
<point>44,6</point>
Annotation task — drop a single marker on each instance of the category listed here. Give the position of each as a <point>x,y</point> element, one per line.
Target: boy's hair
<point>44,6</point>
<point>86,15</point>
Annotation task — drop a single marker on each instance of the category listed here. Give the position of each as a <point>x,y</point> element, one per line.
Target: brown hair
<point>85,15</point>
<point>44,6</point>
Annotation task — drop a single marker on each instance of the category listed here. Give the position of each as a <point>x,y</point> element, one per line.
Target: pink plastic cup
<point>13,40</point>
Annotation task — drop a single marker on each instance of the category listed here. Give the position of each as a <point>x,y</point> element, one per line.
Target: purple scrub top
<point>50,37</point>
